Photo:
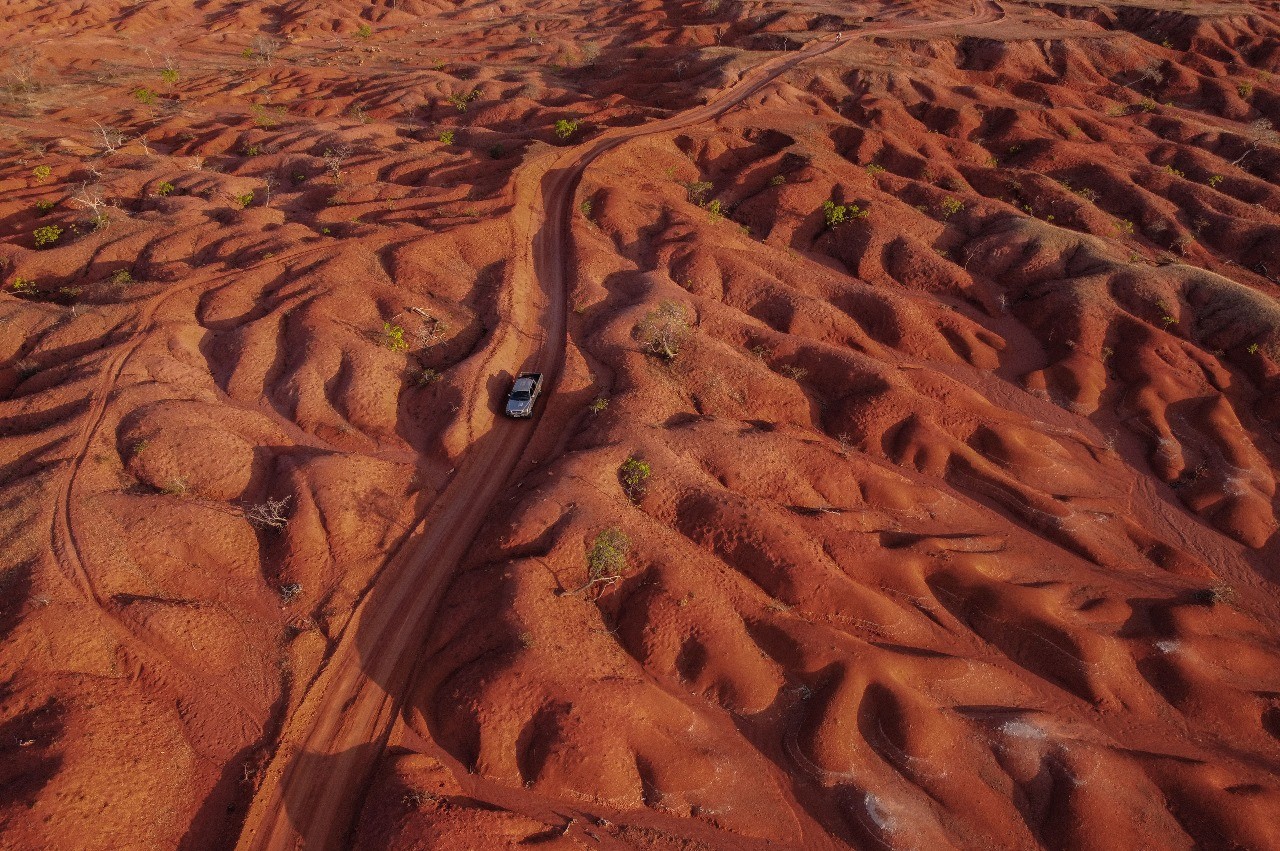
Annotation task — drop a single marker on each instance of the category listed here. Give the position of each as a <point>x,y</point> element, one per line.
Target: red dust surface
<point>906,476</point>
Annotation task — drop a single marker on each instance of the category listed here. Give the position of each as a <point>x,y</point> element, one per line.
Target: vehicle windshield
<point>520,395</point>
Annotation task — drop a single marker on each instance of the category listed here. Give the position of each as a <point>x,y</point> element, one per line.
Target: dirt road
<point>312,789</point>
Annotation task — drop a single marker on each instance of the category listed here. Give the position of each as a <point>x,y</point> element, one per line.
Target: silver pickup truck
<point>523,395</point>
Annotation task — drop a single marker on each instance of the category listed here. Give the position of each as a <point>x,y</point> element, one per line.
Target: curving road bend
<point>312,789</point>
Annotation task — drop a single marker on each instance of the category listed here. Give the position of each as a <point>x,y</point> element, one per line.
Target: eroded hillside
<point>909,480</point>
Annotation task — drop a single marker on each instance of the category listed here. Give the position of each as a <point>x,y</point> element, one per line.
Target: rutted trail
<point>313,787</point>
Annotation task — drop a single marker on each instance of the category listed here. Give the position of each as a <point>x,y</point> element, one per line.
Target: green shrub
<point>266,116</point>
<point>145,97</point>
<point>697,190</point>
<point>41,173</point>
<point>243,201</point>
<point>663,330</point>
<point>460,102</point>
<point>175,487</point>
<point>566,127</point>
<point>1245,89</point>
<point>585,208</point>
<point>599,404</point>
<point>446,137</point>
<point>169,75</point>
<point>607,557</point>
<point>715,209</point>
<point>121,277</point>
<point>1215,180</point>
<point>43,207</point>
<point>364,31</point>
<point>165,188</point>
<point>951,206</point>
<point>777,180</point>
<point>834,214</point>
<point>393,337</point>
<point>874,169</point>
<point>23,286</point>
<point>47,235</point>
<point>634,474</point>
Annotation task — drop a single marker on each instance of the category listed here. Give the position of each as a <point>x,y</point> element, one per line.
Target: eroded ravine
<point>311,790</point>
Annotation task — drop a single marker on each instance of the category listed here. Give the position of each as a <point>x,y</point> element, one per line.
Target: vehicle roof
<point>523,384</point>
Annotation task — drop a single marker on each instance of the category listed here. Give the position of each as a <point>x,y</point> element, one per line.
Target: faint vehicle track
<point>62,535</point>
<point>311,791</point>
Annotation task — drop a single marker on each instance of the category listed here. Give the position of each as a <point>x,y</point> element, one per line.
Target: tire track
<point>316,780</point>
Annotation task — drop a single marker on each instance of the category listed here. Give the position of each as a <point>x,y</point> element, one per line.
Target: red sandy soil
<point>960,524</point>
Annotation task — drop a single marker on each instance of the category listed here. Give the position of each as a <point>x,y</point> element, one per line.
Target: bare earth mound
<point>906,476</point>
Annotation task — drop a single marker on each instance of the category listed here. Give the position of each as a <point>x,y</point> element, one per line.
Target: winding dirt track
<point>312,789</point>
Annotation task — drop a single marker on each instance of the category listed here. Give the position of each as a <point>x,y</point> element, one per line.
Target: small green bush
<point>243,201</point>
<point>146,97</point>
<point>41,173</point>
<point>951,206</point>
<point>43,207</point>
<point>663,330</point>
<point>364,31</point>
<point>47,235</point>
<point>393,337</point>
<point>121,277</point>
<point>697,190</point>
<point>634,474</point>
<point>165,188</point>
<point>834,214</point>
<point>169,75</point>
<point>460,102</point>
<point>446,137</point>
<point>607,557</point>
<point>874,169</point>
<point>566,127</point>
<point>266,116</point>
<point>22,286</point>
<point>599,404</point>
